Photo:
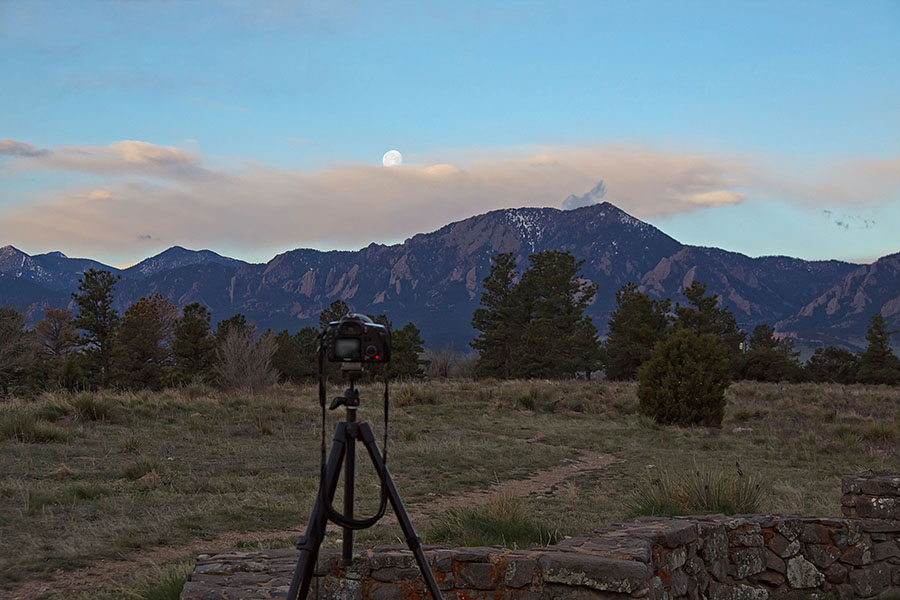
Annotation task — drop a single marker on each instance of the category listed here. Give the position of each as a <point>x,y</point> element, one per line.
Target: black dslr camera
<point>356,338</point>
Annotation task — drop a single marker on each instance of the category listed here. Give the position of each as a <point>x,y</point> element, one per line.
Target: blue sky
<point>759,127</point>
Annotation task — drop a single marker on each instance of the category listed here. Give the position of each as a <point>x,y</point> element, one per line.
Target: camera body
<point>355,338</point>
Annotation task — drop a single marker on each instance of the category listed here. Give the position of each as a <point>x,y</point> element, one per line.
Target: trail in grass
<point>109,572</point>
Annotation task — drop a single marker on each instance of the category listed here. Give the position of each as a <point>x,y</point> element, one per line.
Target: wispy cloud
<point>10,147</point>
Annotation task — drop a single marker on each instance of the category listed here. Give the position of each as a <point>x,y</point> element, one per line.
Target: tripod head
<point>350,372</point>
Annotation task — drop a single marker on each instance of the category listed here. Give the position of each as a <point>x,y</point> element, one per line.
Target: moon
<point>392,158</point>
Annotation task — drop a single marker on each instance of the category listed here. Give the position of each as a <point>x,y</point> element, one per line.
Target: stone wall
<point>748,557</point>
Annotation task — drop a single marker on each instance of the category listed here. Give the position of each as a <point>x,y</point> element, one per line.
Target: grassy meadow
<point>111,494</point>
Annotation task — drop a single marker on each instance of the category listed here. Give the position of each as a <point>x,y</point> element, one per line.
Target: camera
<point>356,338</point>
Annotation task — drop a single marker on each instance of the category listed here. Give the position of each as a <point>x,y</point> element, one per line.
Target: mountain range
<point>434,279</point>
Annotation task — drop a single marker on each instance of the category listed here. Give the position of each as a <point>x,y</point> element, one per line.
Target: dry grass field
<point>108,495</point>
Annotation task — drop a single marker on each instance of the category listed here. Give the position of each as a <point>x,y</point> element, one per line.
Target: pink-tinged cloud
<point>156,196</point>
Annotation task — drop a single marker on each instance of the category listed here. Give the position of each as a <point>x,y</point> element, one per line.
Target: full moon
<point>391,158</point>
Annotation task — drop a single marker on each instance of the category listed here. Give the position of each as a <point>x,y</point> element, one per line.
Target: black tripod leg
<point>318,519</point>
<point>412,539</point>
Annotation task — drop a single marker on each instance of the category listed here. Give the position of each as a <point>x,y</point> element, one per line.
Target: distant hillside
<point>434,279</point>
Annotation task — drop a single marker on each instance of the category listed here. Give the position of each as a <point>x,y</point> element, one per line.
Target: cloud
<point>595,196</point>
<point>21,149</point>
<point>124,157</point>
<point>157,196</point>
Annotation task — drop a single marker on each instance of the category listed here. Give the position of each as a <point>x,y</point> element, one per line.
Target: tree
<point>244,362</point>
<point>636,325</point>
<point>497,319</point>
<point>684,380</point>
<point>877,363</point>
<point>16,348</point>
<point>237,321</point>
<point>831,365</point>
<point>704,315</point>
<point>295,355</point>
<point>558,340</point>
<point>193,346</point>
<point>770,359</point>
<point>56,333</point>
<point>406,348</point>
<point>334,312</point>
<point>97,318</point>
<point>141,356</point>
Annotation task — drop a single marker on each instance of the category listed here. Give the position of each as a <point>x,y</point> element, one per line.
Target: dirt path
<point>107,572</point>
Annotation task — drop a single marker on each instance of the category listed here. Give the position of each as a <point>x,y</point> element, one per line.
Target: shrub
<point>684,380</point>
<point>244,362</point>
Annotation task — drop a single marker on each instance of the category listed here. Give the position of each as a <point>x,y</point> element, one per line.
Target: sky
<point>252,128</point>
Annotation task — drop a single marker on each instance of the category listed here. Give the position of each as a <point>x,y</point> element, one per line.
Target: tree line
<point>534,325</point>
<point>153,345</point>
<point>529,325</point>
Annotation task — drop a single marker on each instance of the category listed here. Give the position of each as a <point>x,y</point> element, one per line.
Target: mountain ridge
<point>434,279</point>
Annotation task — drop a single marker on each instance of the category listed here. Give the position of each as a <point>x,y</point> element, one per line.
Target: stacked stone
<point>748,557</point>
<point>871,497</point>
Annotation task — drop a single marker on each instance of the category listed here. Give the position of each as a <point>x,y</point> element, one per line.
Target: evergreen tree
<point>684,380</point>
<point>237,322</point>
<point>295,355</point>
<point>141,355</point>
<point>832,365</point>
<point>877,363</point>
<point>406,348</point>
<point>16,349</point>
<point>704,315</point>
<point>770,359</point>
<point>498,320</point>
<point>97,318</point>
<point>557,336</point>
<point>334,312</point>
<point>636,325</point>
<point>193,347</point>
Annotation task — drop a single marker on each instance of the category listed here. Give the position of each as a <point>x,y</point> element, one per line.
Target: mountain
<point>176,257</point>
<point>434,279</point>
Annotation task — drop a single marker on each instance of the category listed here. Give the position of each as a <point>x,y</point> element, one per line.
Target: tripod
<point>343,451</point>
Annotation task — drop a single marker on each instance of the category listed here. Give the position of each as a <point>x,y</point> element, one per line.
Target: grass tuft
<point>93,407</point>
<point>506,521</point>
<point>696,492</point>
<point>23,425</point>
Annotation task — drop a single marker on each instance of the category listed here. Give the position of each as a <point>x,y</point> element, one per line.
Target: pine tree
<point>704,315</point>
<point>832,365</point>
<point>636,325</point>
<point>193,347</point>
<point>236,322</point>
<point>334,312</point>
<point>406,348</point>
<point>557,337</point>
<point>97,318</point>
<point>770,359</point>
<point>141,356</point>
<point>498,320</point>
<point>295,355</point>
<point>16,348</point>
<point>878,364</point>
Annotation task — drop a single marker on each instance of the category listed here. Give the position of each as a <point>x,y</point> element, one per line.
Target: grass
<point>506,521</point>
<point>107,476</point>
<point>697,491</point>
